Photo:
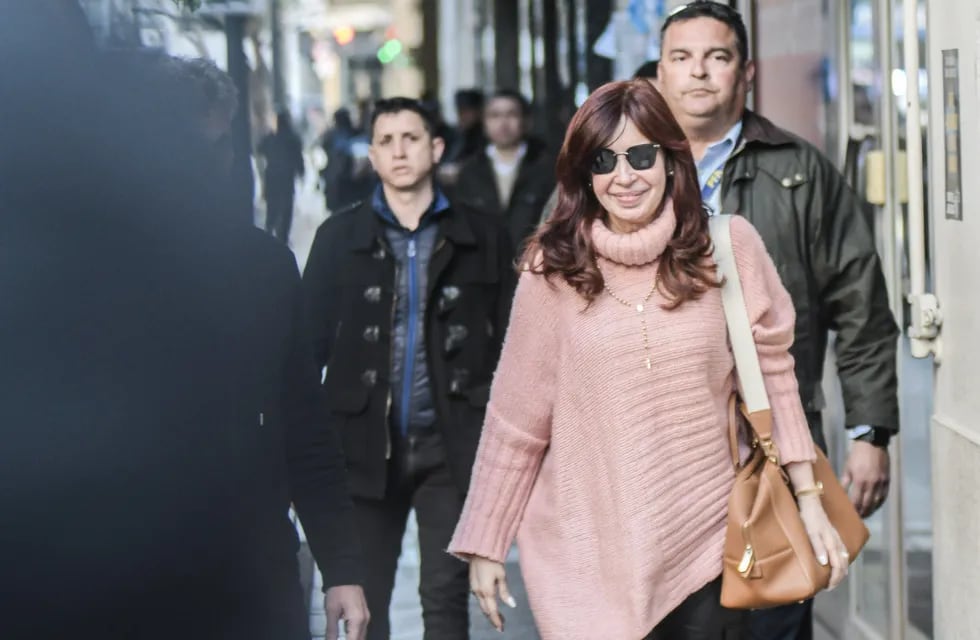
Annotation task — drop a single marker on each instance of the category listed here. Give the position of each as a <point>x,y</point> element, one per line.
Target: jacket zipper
<point>432,282</point>
<point>391,360</point>
<point>408,371</point>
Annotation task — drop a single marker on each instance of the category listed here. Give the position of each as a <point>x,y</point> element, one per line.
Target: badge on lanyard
<point>711,186</point>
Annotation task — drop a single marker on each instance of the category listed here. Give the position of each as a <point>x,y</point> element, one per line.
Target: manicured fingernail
<point>511,602</point>
<point>822,559</point>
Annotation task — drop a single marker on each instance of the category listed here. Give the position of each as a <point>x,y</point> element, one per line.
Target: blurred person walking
<point>161,412</point>
<point>468,138</point>
<point>819,235</point>
<point>409,299</point>
<point>605,447</point>
<point>339,171</point>
<point>205,96</point>
<point>514,175</point>
<point>283,152</point>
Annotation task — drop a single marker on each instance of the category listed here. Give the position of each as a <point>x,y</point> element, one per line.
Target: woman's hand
<point>488,579</point>
<point>826,542</point>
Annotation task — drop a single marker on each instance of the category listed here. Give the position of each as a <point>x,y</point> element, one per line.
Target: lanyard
<point>711,184</point>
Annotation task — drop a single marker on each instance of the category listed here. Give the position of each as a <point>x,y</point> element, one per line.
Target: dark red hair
<point>563,245</point>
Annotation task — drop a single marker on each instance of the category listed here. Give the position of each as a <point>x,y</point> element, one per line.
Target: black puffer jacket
<point>412,406</point>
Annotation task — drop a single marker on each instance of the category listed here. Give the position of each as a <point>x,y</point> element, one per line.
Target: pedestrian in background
<point>606,441</point>
<point>408,299</point>
<point>514,175</point>
<point>339,171</point>
<point>820,238</point>
<point>468,139</point>
<point>283,152</point>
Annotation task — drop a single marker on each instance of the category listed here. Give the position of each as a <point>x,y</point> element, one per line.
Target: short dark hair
<point>716,10</point>
<point>398,104</point>
<point>218,87</point>
<point>469,99</point>
<point>197,86</point>
<point>516,96</point>
<point>647,70</point>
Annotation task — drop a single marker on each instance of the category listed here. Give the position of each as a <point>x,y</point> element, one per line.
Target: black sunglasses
<point>640,157</point>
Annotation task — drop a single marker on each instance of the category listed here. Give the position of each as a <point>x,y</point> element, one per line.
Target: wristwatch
<point>873,435</point>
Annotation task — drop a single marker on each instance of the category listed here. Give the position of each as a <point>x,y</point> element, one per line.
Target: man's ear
<point>438,148</point>
<point>749,72</point>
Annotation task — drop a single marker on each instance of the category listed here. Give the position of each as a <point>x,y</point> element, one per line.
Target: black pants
<point>701,617</point>
<point>279,213</point>
<point>789,622</point>
<point>417,477</point>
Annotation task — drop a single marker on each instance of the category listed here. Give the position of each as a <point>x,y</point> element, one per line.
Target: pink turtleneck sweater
<point>615,478</point>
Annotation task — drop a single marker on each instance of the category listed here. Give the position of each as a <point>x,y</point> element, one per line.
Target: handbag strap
<point>749,373</point>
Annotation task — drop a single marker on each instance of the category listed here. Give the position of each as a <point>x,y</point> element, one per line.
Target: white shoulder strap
<point>749,372</point>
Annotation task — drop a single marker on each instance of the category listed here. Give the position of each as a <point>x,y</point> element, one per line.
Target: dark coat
<point>283,152</point>
<point>161,411</point>
<point>476,188</point>
<point>350,283</point>
<point>822,242</point>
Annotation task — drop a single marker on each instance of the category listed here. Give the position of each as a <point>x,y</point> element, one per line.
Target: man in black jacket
<point>408,314</point>
<point>269,269</point>
<point>514,175</point>
<point>161,406</point>
<point>819,237</point>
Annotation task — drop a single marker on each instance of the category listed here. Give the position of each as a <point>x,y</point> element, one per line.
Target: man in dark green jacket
<point>819,237</point>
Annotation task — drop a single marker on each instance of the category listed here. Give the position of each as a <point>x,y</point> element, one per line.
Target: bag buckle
<point>770,451</point>
<point>747,562</point>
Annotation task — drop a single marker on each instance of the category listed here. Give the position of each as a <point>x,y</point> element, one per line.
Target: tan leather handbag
<point>768,560</point>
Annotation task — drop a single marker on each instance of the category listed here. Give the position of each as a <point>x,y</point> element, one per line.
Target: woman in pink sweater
<point>605,449</point>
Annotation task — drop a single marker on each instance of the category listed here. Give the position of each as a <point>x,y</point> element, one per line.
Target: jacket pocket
<point>350,401</point>
<point>478,397</point>
<point>348,406</point>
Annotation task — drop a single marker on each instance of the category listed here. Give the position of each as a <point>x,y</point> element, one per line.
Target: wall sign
<point>951,128</point>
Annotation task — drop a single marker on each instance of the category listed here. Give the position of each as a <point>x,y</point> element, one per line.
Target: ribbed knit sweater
<point>613,477</point>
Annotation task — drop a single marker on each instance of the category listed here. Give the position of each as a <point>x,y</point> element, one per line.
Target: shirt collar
<point>379,204</point>
<point>495,157</point>
<point>727,142</point>
<point>717,153</point>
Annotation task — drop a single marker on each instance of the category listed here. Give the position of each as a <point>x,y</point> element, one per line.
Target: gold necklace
<point>640,307</point>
